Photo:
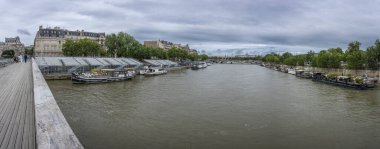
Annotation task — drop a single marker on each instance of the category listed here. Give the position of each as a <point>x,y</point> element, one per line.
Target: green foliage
<point>309,56</point>
<point>285,56</point>
<point>8,54</point>
<point>273,58</point>
<point>329,59</point>
<point>125,45</point>
<point>332,76</point>
<point>203,57</point>
<point>122,45</point>
<point>373,56</point>
<point>356,59</point>
<point>353,46</point>
<point>29,51</point>
<point>177,54</point>
<point>82,47</point>
<point>291,61</point>
<point>358,80</point>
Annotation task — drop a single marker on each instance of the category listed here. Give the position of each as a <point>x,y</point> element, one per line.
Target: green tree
<point>122,45</point>
<point>82,47</point>
<point>354,46</point>
<point>291,61</point>
<point>203,57</point>
<point>285,56</point>
<point>310,55</point>
<point>272,58</point>
<point>373,56</point>
<point>8,54</point>
<point>355,58</point>
<point>29,51</point>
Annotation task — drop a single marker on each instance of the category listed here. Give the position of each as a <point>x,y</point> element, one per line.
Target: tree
<point>353,46</point>
<point>122,45</point>
<point>291,61</point>
<point>8,54</point>
<point>356,59</point>
<point>285,56</point>
<point>373,56</point>
<point>203,57</point>
<point>29,51</point>
<point>82,47</point>
<point>273,58</point>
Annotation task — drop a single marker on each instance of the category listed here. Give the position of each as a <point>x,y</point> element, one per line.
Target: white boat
<point>292,71</point>
<point>143,70</point>
<point>155,71</point>
<point>205,65</point>
<point>202,64</point>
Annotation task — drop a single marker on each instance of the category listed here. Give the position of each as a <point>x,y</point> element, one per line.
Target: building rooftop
<point>59,32</point>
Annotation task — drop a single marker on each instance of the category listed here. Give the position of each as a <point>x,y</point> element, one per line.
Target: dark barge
<point>344,81</point>
<point>108,75</point>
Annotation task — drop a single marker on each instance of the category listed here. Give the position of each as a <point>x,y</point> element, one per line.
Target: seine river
<point>221,107</point>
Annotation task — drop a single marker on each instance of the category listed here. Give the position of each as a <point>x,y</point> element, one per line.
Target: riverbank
<point>371,77</point>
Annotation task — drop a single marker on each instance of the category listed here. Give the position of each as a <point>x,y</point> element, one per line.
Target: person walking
<point>25,58</point>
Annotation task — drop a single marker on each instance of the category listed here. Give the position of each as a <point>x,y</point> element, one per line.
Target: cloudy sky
<point>204,24</point>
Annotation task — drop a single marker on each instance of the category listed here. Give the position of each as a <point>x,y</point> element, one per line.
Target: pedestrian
<point>25,58</point>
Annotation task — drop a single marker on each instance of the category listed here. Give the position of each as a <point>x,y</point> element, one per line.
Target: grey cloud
<point>23,32</point>
<point>289,23</point>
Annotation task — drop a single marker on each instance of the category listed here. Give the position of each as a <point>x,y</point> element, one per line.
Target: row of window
<point>57,33</point>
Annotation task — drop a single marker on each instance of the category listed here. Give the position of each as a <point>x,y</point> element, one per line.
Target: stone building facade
<point>166,45</point>
<point>12,44</point>
<point>49,41</point>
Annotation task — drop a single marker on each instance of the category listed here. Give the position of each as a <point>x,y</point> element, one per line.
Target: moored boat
<point>105,76</point>
<point>155,71</point>
<point>304,74</point>
<point>292,71</point>
<point>344,81</point>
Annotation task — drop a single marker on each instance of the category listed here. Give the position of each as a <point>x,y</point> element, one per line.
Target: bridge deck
<point>17,118</point>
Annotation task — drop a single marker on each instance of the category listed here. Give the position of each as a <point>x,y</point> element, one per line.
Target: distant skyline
<point>204,24</point>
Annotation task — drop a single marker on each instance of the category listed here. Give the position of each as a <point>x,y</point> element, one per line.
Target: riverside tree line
<point>352,58</point>
<point>125,45</point>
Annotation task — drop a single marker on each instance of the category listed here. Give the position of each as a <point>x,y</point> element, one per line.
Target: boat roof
<point>343,77</point>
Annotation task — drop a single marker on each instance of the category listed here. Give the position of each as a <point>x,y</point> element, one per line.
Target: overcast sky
<point>204,24</point>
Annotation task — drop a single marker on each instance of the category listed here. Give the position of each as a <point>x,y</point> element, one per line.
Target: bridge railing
<point>52,129</point>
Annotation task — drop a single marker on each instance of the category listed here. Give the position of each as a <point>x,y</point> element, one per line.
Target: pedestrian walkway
<point>17,118</point>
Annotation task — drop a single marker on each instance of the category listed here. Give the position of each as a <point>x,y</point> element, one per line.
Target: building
<point>12,44</point>
<point>166,45</point>
<point>49,41</point>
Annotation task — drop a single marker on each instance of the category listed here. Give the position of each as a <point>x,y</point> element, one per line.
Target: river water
<point>222,106</point>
